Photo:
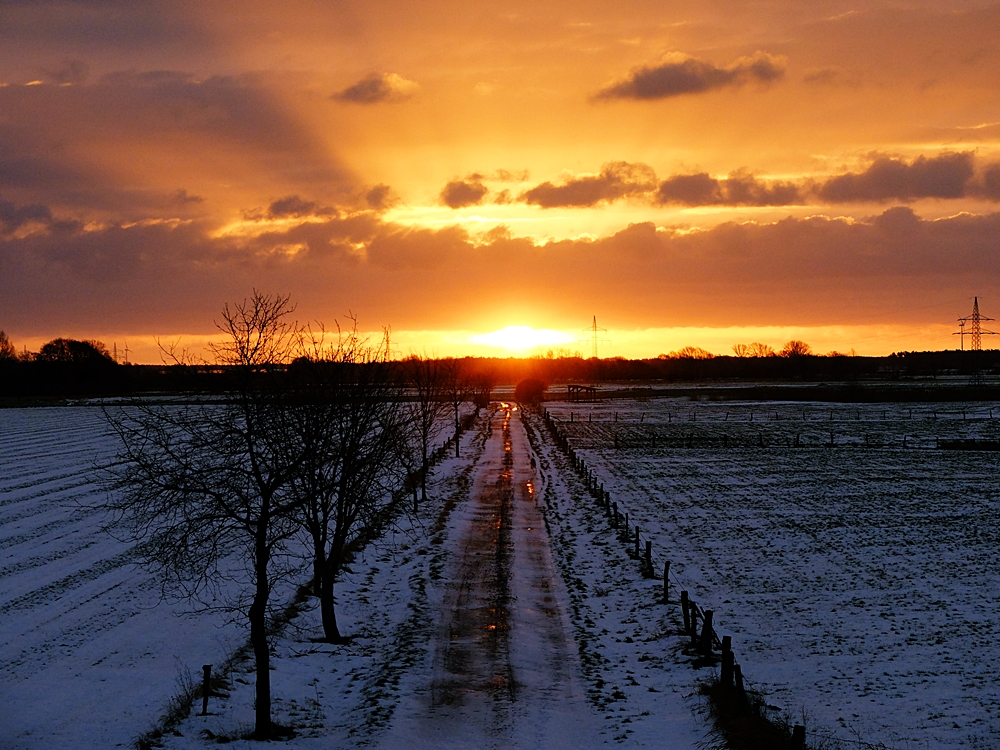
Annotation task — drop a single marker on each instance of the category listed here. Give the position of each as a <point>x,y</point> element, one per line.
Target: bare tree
<point>349,423</point>
<point>741,350</point>
<point>425,379</point>
<point>482,388</point>
<point>206,486</point>
<point>795,348</point>
<point>757,349</point>
<point>692,352</point>
<point>7,350</point>
<point>457,390</point>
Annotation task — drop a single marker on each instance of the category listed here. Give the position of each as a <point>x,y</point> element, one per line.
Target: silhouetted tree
<point>529,391</point>
<point>741,350</point>
<point>202,484</point>
<point>7,350</point>
<point>482,388</point>
<point>348,423</point>
<point>757,349</point>
<point>691,352</point>
<point>457,390</point>
<point>74,352</point>
<point>425,378</point>
<point>795,348</point>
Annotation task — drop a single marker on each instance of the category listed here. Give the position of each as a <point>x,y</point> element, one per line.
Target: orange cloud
<point>616,180</point>
<point>378,87</point>
<point>679,74</point>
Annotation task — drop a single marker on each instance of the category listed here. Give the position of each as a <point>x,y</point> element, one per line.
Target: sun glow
<point>521,338</point>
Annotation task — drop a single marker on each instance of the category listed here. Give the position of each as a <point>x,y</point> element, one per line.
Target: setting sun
<point>522,338</point>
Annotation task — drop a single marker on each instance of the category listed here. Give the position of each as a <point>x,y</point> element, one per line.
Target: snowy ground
<point>88,655</point>
<point>449,651</point>
<point>859,581</point>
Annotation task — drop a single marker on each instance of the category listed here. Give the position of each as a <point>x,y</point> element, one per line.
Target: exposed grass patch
<point>743,721</point>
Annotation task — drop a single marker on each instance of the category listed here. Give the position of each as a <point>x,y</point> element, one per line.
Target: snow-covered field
<point>91,656</point>
<point>859,581</point>
<point>88,654</point>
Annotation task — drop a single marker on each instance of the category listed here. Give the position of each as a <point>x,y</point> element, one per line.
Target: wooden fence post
<point>206,688</point>
<point>684,608</point>
<point>614,515</point>
<point>666,582</point>
<point>649,557</point>
<point>798,737</point>
<point>740,687</point>
<point>706,634</point>
<point>637,543</point>
<point>726,673</point>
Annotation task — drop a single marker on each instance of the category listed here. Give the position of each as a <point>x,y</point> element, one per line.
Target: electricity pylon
<point>594,330</point>
<point>975,321</point>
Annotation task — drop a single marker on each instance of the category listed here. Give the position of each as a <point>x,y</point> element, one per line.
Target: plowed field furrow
<point>51,592</point>
<point>27,564</point>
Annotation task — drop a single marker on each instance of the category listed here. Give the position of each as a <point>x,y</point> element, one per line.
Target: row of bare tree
<point>305,457</point>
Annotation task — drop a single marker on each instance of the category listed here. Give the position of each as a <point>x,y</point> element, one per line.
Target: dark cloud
<point>379,197</point>
<point>294,206</point>
<point>990,187</point>
<point>48,155</point>
<point>690,190</point>
<point>947,176</point>
<point>182,198</point>
<point>459,193</point>
<point>98,25</point>
<point>73,72</point>
<point>616,180</point>
<point>887,179</point>
<point>13,217</point>
<point>378,87</point>
<point>679,74</point>
<point>743,189</point>
<point>164,277</point>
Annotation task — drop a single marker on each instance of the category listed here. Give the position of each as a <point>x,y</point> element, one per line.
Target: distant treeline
<point>61,375</point>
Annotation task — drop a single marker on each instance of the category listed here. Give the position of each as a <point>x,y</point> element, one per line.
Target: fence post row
<point>731,674</point>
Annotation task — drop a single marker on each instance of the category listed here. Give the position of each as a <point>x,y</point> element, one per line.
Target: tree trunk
<point>258,639</point>
<point>327,606</point>
<point>317,567</point>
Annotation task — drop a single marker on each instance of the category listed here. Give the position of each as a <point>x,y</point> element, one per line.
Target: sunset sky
<point>692,173</point>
